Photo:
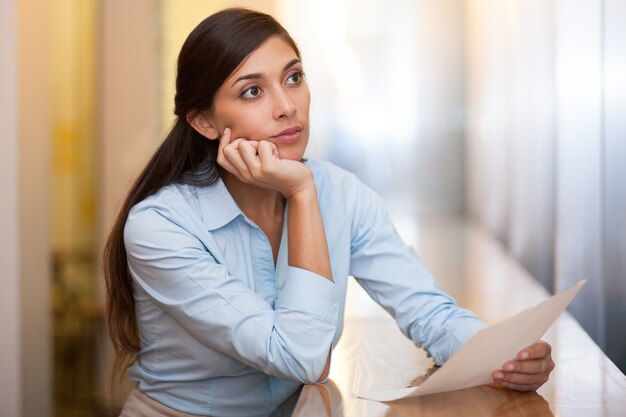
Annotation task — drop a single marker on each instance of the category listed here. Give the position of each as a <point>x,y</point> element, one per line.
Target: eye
<point>295,78</point>
<point>251,93</point>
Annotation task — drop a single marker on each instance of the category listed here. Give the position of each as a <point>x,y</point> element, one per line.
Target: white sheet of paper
<point>484,353</point>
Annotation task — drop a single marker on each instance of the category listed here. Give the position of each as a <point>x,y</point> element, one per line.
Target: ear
<point>201,122</point>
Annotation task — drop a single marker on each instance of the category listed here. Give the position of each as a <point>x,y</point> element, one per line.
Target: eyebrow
<point>259,75</point>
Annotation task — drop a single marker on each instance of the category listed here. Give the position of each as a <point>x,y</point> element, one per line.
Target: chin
<point>295,153</point>
<point>294,156</point>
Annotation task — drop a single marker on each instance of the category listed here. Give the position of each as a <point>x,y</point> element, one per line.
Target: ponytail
<point>184,157</point>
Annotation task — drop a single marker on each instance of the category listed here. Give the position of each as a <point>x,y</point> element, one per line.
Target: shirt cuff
<point>463,332</point>
<point>309,292</point>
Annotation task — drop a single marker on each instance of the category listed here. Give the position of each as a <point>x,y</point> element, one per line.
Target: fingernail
<point>499,375</point>
<point>509,367</point>
<point>525,355</point>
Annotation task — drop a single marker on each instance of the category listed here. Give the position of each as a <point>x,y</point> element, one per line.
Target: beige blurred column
<point>129,98</point>
<point>129,110</point>
<point>34,121</point>
<point>10,394</point>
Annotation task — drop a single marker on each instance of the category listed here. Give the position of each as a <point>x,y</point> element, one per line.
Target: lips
<point>289,135</point>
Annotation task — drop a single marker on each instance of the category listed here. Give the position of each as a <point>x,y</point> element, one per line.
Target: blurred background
<point>509,113</point>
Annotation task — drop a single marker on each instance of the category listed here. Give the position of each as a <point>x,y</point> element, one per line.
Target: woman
<point>226,269</point>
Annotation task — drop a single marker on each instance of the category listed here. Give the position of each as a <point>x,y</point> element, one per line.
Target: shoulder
<point>174,206</point>
<point>173,200</point>
<point>341,192</point>
<point>330,177</point>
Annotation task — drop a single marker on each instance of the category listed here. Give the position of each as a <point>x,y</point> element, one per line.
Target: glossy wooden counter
<point>471,266</point>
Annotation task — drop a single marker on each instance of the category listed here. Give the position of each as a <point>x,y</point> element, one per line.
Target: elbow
<point>315,377</point>
<point>325,372</point>
<point>307,362</point>
<point>311,370</point>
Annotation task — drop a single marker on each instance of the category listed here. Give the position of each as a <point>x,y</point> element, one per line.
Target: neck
<point>258,204</point>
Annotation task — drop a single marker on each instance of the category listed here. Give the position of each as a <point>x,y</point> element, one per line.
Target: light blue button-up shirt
<point>225,331</point>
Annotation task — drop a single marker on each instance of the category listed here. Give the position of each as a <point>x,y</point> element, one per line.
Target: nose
<point>284,107</point>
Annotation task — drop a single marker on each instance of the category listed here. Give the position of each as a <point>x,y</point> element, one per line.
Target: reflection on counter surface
<point>324,400</point>
<point>479,401</point>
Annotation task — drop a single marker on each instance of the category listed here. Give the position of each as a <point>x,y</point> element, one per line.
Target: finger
<point>530,366</point>
<point>537,350</point>
<point>233,157</point>
<point>225,139</point>
<point>250,146</point>
<point>268,152</point>
<point>221,158</point>
<point>248,152</point>
<point>520,387</point>
<point>520,379</point>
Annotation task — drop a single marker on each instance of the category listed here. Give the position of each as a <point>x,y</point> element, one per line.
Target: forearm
<point>308,248</point>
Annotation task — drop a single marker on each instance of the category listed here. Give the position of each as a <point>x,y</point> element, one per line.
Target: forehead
<point>270,56</point>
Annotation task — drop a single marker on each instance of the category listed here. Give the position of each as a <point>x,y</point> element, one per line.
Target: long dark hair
<point>210,54</point>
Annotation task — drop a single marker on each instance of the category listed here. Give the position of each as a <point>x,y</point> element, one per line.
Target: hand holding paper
<point>529,370</point>
<point>474,363</point>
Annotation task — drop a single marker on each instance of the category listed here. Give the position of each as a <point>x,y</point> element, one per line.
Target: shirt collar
<point>218,206</point>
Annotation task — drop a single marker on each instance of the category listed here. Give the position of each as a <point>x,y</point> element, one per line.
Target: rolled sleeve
<point>451,339</point>
<point>309,292</point>
<point>309,302</point>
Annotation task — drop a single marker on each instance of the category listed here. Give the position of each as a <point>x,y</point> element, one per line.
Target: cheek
<point>303,99</point>
<point>307,94</point>
<point>245,123</point>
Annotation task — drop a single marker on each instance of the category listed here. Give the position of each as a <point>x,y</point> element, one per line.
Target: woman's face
<point>266,98</point>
